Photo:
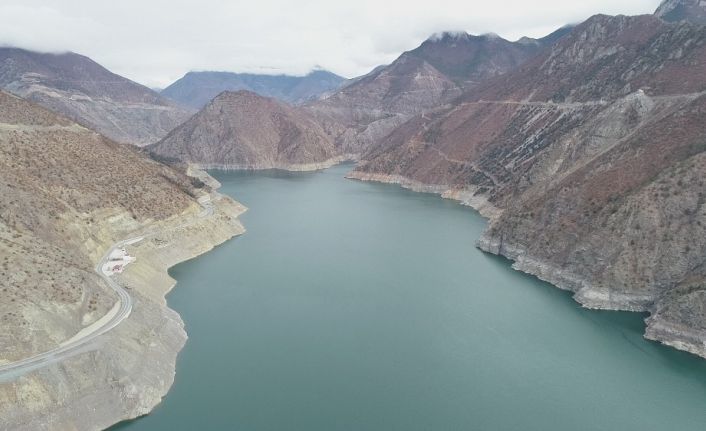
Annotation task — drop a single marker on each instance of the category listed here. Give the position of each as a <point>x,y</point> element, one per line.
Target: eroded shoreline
<point>125,373</point>
<point>657,327</point>
<point>292,167</point>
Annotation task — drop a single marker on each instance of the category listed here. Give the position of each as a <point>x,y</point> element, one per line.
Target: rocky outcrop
<point>82,90</point>
<point>683,10</point>
<point>243,130</point>
<point>196,89</point>
<point>68,194</point>
<point>593,154</point>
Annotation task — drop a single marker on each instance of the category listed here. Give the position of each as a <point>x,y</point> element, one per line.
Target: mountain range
<point>196,89</point>
<point>81,89</point>
<point>435,73</point>
<point>355,116</point>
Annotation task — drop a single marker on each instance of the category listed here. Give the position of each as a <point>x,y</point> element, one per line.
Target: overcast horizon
<point>156,43</point>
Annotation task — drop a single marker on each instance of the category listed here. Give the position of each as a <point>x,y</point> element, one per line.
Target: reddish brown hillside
<point>244,130</point>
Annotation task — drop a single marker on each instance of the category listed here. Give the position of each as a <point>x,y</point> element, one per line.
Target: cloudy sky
<point>156,41</point>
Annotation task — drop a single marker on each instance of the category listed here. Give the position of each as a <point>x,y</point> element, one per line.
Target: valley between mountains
<point>584,149</point>
<point>593,133</point>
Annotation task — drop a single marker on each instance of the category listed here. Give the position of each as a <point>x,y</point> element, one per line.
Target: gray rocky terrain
<point>683,10</point>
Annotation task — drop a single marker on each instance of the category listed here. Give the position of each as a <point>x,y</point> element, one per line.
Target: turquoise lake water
<point>365,307</point>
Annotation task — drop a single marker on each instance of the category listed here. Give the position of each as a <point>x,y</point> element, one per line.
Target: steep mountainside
<point>588,159</point>
<point>683,10</point>
<point>79,88</point>
<point>196,89</point>
<point>244,130</point>
<point>436,72</point>
<point>66,195</point>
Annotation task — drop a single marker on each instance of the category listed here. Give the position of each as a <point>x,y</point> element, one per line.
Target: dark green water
<point>365,307</point>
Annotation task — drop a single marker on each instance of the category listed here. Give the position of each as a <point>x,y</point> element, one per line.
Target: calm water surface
<point>365,307</point>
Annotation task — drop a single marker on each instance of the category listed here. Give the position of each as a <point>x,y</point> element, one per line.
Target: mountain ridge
<point>682,10</point>
<point>81,89</point>
<point>196,89</point>
<point>245,130</point>
<point>431,75</point>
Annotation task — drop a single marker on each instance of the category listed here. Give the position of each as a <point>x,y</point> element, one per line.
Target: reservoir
<point>366,307</point>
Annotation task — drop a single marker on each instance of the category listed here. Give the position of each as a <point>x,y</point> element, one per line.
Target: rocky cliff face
<point>683,10</point>
<point>588,159</point>
<point>429,76</point>
<point>80,89</point>
<point>242,130</point>
<point>66,195</point>
<point>196,89</point>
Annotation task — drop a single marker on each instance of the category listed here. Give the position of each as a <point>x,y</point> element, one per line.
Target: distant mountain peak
<point>683,10</point>
<point>197,88</point>
<point>491,35</point>
<point>461,36</point>
<point>528,41</point>
<point>448,36</point>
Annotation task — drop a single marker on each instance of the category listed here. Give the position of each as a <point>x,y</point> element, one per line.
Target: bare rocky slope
<point>436,72</point>
<point>589,160</point>
<point>196,89</point>
<point>242,130</point>
<point>683,10</point>
<point>66,195</point>
<point>82,90</point>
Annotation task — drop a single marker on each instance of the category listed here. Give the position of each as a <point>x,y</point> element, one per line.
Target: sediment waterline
<point>468,195</point>
<point>293,167</point>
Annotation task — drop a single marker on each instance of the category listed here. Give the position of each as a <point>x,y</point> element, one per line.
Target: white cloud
<point>156,41</point>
